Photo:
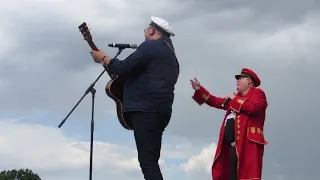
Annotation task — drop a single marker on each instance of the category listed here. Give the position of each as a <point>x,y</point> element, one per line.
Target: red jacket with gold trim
<point>249,127</point>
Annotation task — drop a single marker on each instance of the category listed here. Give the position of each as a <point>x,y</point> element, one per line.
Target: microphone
<point>133,46</point>
<point>225,102</point>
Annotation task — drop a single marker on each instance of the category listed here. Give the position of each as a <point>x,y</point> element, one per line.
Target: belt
<point>233,144</point>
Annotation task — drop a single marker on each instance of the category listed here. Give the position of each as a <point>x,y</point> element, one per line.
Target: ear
<point>251,82</point>
<point>152,31</point>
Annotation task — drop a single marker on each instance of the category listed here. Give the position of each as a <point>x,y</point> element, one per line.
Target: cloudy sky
<point>46,67</point>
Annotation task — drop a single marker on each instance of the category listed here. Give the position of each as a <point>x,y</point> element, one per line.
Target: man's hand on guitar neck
<point>99,56</point>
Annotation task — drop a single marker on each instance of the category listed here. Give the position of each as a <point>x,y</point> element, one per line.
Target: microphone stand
<point>93,92</point>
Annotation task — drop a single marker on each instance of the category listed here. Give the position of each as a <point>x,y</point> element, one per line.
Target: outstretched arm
<point>257,102</point>
<point>202,96</point>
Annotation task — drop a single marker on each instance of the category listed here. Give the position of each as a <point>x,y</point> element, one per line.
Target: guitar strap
<point>175,57</point>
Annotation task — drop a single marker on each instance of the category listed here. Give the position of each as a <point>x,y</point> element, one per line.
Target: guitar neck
<point>93,46</point>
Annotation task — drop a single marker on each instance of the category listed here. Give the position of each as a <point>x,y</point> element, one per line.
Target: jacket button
<point>258,129</point>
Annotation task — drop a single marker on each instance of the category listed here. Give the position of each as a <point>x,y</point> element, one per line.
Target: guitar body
<point>114,87</point>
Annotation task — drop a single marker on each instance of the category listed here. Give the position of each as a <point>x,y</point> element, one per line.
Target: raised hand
<point>195,84</point>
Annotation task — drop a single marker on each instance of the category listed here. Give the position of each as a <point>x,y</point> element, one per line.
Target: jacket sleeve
<point>134,63</point>
<point>257,102</point>
<point>202,96</point>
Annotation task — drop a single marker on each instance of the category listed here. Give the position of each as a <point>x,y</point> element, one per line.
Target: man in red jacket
<point>240,149</point>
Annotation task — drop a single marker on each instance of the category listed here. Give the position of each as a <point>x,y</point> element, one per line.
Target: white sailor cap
<point>162,24</point>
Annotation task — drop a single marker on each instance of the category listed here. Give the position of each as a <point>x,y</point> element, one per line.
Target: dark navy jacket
<point>151,73</point>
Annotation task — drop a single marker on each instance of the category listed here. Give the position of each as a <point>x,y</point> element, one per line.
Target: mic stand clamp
<point>92,90</point>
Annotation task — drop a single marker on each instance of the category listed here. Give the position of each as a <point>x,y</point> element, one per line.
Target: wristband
<point>102,62</point>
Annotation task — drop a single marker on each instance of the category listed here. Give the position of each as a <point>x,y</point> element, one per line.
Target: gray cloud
<point>249,16</point>
<point>284,9</point>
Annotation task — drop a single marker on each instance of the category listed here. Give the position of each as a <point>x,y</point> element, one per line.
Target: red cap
<point>248,72</point>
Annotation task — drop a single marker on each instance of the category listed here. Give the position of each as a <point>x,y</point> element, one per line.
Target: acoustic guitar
<point>114,88</point>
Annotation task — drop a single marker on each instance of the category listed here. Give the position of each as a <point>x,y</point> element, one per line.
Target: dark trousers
<point>148,129</point>
<point>233,163</point>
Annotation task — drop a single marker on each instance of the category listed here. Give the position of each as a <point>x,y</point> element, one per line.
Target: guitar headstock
<point>85,32</point>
